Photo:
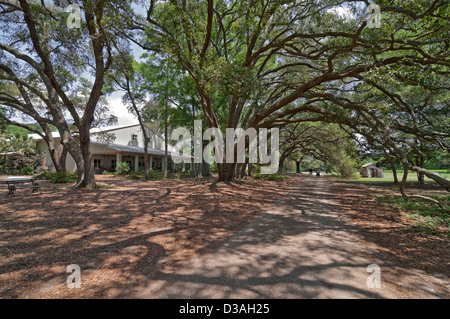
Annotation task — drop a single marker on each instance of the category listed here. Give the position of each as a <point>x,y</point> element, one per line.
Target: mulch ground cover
<point>120,233</point>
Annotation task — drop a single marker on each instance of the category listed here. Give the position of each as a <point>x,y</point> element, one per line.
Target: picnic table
<point>15,183</point>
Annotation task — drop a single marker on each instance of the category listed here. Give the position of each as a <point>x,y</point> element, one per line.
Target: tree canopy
<point>257,64</point>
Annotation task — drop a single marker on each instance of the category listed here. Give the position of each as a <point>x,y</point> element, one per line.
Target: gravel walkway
<point>302,247</point>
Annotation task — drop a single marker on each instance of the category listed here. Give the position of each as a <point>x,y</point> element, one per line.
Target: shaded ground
<point>392,230</point>
<point>303,246</point>
<point>198,239</point>
<point>118,234</point>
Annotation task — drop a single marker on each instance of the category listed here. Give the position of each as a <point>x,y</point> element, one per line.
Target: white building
<point>126,144</point>
<point>371,170</point>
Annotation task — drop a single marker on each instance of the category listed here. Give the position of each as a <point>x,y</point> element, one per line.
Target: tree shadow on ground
<point>117,231</point>
<point>143,233</point>
<point>273,257</point>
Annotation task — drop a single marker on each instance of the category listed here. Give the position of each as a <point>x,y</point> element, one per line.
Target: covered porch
<point>107,157</point>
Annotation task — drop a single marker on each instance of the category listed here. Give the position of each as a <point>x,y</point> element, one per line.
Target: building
<point>110,146</point>
<point>371,170</point>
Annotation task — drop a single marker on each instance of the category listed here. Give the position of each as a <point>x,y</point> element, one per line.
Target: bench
<point>15,184</point>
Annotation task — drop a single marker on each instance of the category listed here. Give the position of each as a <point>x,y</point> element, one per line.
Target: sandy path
<point>301,247</point>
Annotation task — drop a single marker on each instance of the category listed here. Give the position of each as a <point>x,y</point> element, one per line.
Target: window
<point>134,141</point>
<point>97,162</point>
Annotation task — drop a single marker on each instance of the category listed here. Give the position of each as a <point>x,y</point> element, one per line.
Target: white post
<point>184,167</point>
<point>162,164</point>
<point>136,163</point>
<point>151,163</point>
<point>118,160</point>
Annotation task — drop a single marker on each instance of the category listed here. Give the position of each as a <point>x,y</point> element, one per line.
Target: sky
<point>118,109</point>
<point>115,100</point>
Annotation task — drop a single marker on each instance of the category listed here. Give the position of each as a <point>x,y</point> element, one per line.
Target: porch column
<point>118,160</point>
<point>184,167</point>
<point>151,163</point>
<point>162,164</point>
<point>190,166</point>
<point>136,163</point>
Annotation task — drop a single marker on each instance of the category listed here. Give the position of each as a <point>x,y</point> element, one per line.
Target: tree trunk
<point>197,169</point>
<point>281,165</point>
<point>146,164</point>
<point>240,170</point>
<point>394,170</point>
<point>283,158</point>
<point>420,176</point>
<point>89,171</point>
<point>166,137</point>
<point>206,169</point>
<point>243,166</point>
<point>72,147</point>
<point>58,157</point>
<point>226,171</point>
<point>66,138</point>
<point>63,158</point>
<point>297,163</point>
<point>54,155</point>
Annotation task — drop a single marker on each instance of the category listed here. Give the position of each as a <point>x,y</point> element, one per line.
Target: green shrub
<point>136,175</point>
<point>63,177</point>
<point>214,169</point>
<point>58,177</point>
<point>156,175</point>
<point>256,169</point>
<point>28,170</point>
<point>123,168</point>
<point>44,174</point>
<point>186,174</point>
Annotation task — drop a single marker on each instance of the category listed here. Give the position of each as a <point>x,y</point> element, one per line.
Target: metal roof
<point>92,131</point>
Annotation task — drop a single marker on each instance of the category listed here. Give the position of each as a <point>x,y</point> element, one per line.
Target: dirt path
<point>302,247</point>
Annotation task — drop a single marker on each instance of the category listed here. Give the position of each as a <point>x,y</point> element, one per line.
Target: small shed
<point>371,170</point>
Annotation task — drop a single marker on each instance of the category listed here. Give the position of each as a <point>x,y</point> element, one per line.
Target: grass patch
<point>388,178</point>
<point>424,216</point>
